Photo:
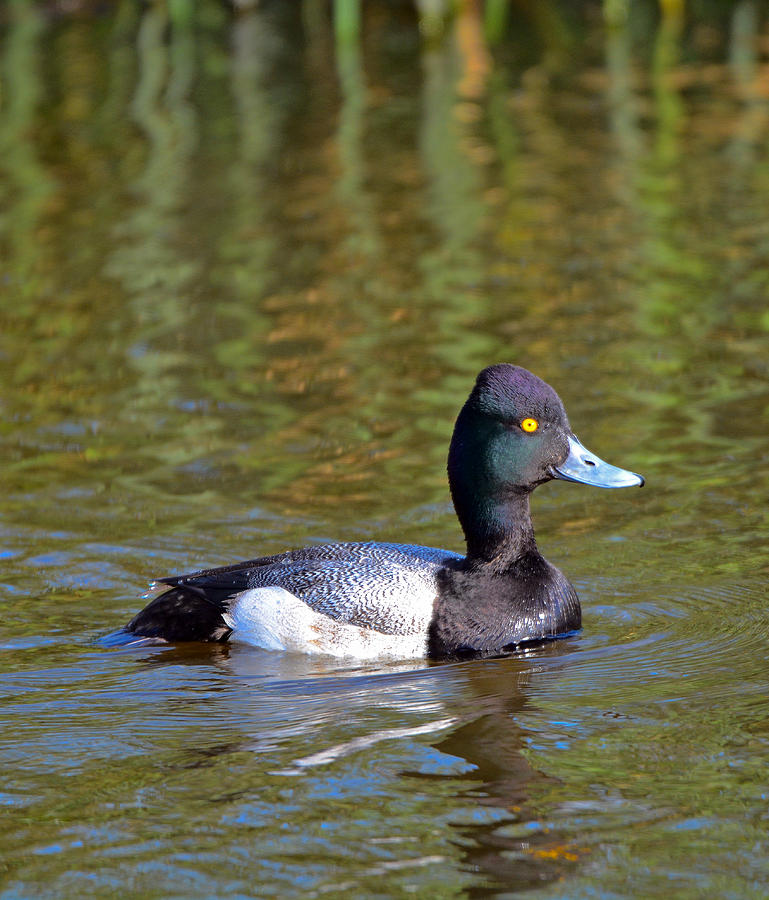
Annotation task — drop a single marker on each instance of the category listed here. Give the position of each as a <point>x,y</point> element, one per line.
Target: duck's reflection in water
<point>312,717</point>
<point>510,848</point>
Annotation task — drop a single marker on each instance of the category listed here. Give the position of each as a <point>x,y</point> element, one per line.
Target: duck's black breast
<point>481,611</point>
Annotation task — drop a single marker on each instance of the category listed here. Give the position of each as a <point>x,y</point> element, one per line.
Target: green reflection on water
<point>26,186</point>
<point>250,264</point>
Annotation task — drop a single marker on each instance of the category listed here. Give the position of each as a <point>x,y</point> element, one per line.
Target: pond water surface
<point>250,265</point>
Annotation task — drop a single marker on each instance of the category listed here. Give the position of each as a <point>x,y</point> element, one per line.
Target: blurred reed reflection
<point>362,240</point>
<point>252,255</point>
<point>270,201</point>
<point>26,186</point>
<point>454,159</point>
<point>148,256</point>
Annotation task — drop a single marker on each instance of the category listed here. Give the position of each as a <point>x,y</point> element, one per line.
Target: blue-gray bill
<point>586,468</point>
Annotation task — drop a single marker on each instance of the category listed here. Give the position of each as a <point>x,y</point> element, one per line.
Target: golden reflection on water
<point>250,262</point>
<point>237,220</point>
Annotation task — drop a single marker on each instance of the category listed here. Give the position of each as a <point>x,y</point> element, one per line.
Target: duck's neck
<point>490,496</point>
<point>498,531</point>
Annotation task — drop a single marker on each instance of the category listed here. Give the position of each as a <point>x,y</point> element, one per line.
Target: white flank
<point>275,619</point>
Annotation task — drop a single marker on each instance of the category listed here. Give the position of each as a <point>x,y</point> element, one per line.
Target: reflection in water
<point>453,158</point>
<point>496,19</point>
<point>147,258</point>
<point>743,60</point>
<point>363,240</point>
<point>623,103</point>
<point>121,70</point>
<point>26,186</point>
<point>507,846</point>
<point>251,256</point>
<point>669,108</point>
<point>486,819</point>
<point>243,270</point>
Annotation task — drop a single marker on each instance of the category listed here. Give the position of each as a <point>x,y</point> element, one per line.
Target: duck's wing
<point>389,588</point>
<point>386,588</point>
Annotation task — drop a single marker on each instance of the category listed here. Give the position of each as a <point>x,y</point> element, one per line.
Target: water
<point>249,267</point>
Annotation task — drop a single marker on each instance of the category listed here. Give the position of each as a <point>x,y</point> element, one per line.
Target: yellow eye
<point>530,425</point>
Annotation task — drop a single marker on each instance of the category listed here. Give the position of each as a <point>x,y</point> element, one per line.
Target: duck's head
<point>511,435</point>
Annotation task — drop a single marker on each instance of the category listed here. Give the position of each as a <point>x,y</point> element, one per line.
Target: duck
<point>366,599</point>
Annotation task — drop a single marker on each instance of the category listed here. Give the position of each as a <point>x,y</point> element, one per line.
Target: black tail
<point>183,613</point>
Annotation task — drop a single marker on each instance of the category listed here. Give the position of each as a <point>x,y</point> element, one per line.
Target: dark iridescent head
<point>521,424</point>
<point>511,435</point>
<point>507,392</point>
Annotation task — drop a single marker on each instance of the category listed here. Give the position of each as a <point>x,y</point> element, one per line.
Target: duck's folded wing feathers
<point>389,588</point>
